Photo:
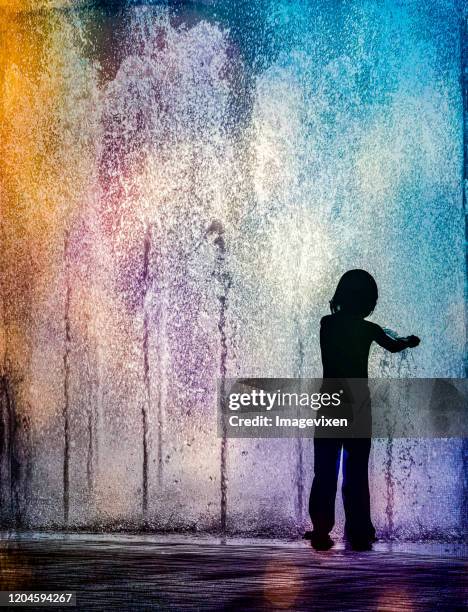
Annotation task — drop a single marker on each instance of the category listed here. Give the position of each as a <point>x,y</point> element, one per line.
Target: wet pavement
<point>155,572</point>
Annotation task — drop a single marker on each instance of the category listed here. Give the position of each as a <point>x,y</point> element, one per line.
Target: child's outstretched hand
<point>413,341</point>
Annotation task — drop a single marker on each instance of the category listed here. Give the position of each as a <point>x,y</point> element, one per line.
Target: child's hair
<point>356,294</point>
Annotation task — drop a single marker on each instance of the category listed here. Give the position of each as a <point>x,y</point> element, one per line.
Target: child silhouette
<point>345,340</point>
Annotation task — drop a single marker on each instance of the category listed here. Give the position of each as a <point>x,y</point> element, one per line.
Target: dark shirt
<point>345,341</point>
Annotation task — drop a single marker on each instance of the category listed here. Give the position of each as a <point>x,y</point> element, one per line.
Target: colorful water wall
<point>182,185</point>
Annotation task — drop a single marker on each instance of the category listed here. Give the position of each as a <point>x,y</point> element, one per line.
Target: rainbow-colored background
<point>182,185</point>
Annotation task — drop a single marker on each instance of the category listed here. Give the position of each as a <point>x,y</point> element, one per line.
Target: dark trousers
<point>355,489</point>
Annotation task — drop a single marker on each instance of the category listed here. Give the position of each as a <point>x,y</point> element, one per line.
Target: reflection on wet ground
<point>141,572</point>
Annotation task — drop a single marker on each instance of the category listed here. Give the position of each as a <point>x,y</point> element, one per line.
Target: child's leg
<point>356,499</point>
<point>322,495</point>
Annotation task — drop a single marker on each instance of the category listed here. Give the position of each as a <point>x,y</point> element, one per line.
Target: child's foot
<point>319,541</point>
<point>360,544</point>
<point>366,536</point>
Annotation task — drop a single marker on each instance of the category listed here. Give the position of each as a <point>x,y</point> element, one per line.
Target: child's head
<point>356,294</point>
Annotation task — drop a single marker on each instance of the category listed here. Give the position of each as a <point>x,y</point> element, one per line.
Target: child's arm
<point>394,344</point>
